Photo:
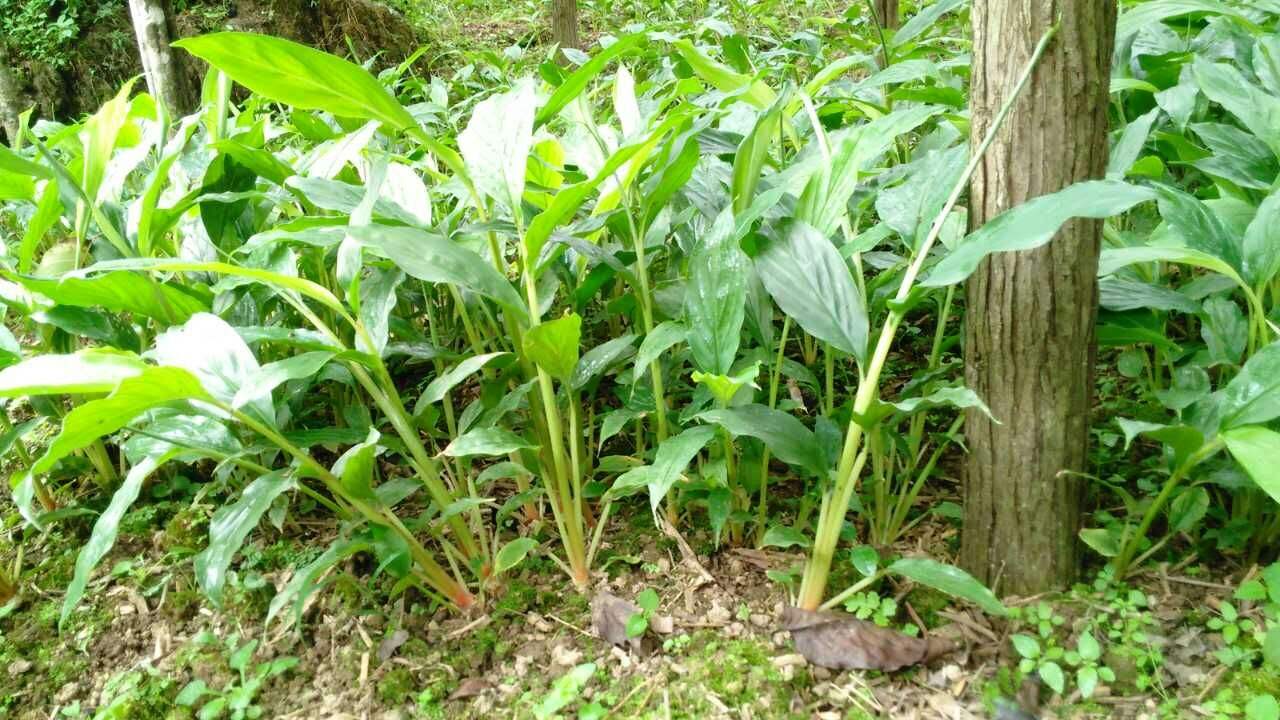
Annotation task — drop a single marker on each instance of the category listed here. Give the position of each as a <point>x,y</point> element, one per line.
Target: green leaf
<point>715,298</point>
<point>1132,139</point>
<point>1026,646</point>
<point>355,468</point>
<point>564,691</point>
<point>1256,449</point>
<point>154,387</point>
<point>105,529</point>
<point>865,560</point>
<point>784,536</point>
<point>950,580</point>
<point>600,358</point>
<point>1103,541</point>
<point>1088,646</point>
<point>807,277</point>
<point>1262,707</point>
<point>1197,224</point>
<point>923,20</point>
<point>648,600</point>
<point>492,441</point>
<point>785,435</point>
<point>497,141</point>
<point>725,387</point>
<point>313,290</point>
<point>1114,259</point>
<point>578,80</point>
<point>441,386</point>
<point>272,375</point>
<point>11,161</point>
<point>673,456</point>
<point>1034,223</point>
<point>749,161</point>
<point>1253,395</point>
<point>1261,247</point>
<point>1087,680</point>
<point>1051,674</point>
<point>209,348</point>
<point>666,334</point>
<point>192,693</point>
<point>299,76</point>
<point>1271,646</point>
<point>88,371</point>
<point>121,292</point>
<point>512,553</point>
<point>229,528</point>
<point>1257,109</point>
<point>553,345</point>
<point>435,259</point>
<point>724,78</point>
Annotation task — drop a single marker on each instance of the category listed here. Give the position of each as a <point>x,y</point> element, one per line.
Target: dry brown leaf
<point>391,643</point>
<point>609,614</point>
<point>842,642</point>
<point>469,688</point>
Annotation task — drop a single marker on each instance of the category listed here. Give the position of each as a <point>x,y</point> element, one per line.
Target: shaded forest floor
<point>144,633</point>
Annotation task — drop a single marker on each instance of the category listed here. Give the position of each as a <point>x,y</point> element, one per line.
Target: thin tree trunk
<point>887,13</point>
<point>1029,331</point>
<point>159,61</point>
<point>564,23</point>
<point>10,101</point>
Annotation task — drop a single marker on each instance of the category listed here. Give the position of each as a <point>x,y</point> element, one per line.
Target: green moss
<point>187,529</point>
<point>396,686</point>
<point>519,597</point>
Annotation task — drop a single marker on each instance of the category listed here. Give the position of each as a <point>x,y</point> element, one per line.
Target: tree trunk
<point>159,61</point>
<point>1029,331</point>
<point>564,23</point>
<point>10,101</point>
<point>887,13</point>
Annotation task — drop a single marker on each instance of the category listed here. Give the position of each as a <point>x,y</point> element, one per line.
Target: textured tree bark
<point>564,23</point>
<point>887,13</point>
<point>159,61</point>
<point>1029,329</point>
<point>10,101</point>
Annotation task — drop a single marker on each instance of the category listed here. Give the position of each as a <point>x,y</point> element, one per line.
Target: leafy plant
<point>236,699</point>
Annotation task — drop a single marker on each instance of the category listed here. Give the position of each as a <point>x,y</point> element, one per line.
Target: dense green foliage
<point>718,271</point>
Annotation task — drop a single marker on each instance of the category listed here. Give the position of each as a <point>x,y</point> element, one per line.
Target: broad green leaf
<point>489,441</point>
<point>1148,14</point>
<point>103,536</point>
<point>1052,675</point>
<point>430,257</point>
<point>715,298</point>
<point>512,553</point>
<point>784,536</point>
<point>600,358</point>
<point>1188,509</point>
<point>578,80</point>
<point>11,161</point>
<point>724,78</point>
<point>553,345</point>
<point>673,456</point>
<point>807,277</point>
<point>497,141</point>
<point>1261,248</point>
<point>88,371</point>
<point>209,348</point>
<point>785,435</point>
<point>567,201</point>
<point>1113,259</point>
<point>957,397</point>
<point>122,292</point>
<point>230,526</point>
<point>1183,440</point>
<point>910,208</point>
<point>1257,109</point>
<point>299,76</point>
<point>666,334</point>
<point>1034,223</point>
<point>1129,146</point>
<point>1101,540</point>
<point>1253,395</point>
<point>1198,225</point>
<point>1120,294</point>
<point>48,211</point>
<point>865,559</point>
<point>923,20</point>
<point>355,468</point>
<point>377,300</point>
<point>749,161</point>
<point>950,580</point>
<point>1225,330</point>
<point>441,386</point>
<point>725,387</point>
<point>1256,448</point>
<point>275,280</point>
